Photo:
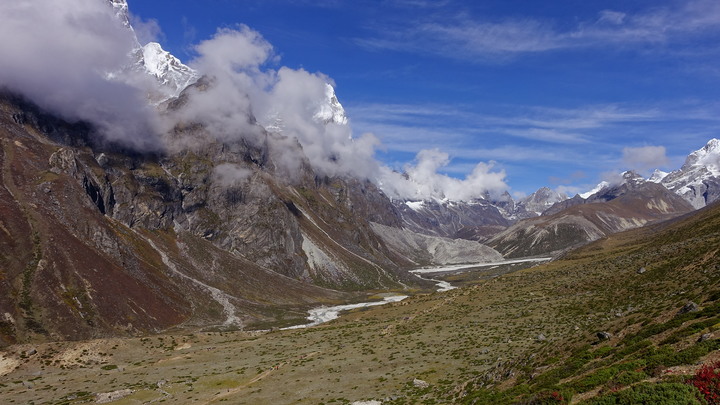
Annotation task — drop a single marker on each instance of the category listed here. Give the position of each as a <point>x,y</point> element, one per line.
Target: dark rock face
<point>475,220</point>
<point>603,335</point>
<point>96,240</point>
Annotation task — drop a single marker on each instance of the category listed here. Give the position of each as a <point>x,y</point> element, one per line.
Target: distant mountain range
<point>216,235</point>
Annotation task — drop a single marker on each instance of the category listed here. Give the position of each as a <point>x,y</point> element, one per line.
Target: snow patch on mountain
<point>414,205</point>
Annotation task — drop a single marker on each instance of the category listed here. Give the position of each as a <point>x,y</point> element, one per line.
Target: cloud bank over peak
<point>58,53</point>
<point>423,180</point>
<point>244,88</point>
<point>645,158</point>
<point>67,55</point>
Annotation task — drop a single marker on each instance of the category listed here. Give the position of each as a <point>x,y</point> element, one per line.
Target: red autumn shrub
<point>707,381</point>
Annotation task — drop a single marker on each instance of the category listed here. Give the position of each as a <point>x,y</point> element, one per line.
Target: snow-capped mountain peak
<point>330,110</point>
<point>657,176</point>
<point>172,74</point>
<point>698,180</point>
<point>708,156</point>
<point>541,200</point>
<point>597,188</point>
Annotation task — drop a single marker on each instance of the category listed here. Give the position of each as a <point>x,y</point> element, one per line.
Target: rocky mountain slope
<point>452,219</point>
<point>208,236</point>
<point>422,249</point>
<point>571,223</point>
<point>207,231</point>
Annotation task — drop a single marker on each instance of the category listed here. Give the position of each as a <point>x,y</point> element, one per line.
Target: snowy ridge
<point>595,190</point>
<point>698,180</point>
<point>172,75</point>
<point>122,12</point>
<point>330,110</point>
<point>657,176</point>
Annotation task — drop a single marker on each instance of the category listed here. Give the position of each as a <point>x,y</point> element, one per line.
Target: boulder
<point>420,383</point>
<point>603,335</point>
<point>704,337</point>
<point>689,307</point>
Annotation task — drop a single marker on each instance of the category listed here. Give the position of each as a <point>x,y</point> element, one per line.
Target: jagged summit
<point>708,157</point>
<point>541,200</point>
<point>121,11</point>
<point>698,180</point>
<point>330,110</point>
<point>657,176</point>
<point>172,75</point>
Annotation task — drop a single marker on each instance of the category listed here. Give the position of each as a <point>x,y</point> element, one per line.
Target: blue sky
<point>556,93</point>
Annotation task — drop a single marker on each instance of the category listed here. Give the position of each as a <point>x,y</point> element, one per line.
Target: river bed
<point>323,314</point>
<point>467,266</point>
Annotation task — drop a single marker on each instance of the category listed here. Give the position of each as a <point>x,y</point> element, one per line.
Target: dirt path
<point>257,378</point>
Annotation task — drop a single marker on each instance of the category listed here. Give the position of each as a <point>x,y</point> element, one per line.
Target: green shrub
<point>652,394</point>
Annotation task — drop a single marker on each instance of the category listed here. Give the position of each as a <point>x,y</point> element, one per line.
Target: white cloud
<point>146,30</point>
<point>422,181</point>
<point>612,17</point>
<point>243,89</point>
<point>645,158</point>
<point>229,174</point>
<point>58,54</point>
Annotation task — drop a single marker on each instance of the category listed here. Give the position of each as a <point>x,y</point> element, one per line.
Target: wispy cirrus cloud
<point>403,127</point>
<point>469,37</point>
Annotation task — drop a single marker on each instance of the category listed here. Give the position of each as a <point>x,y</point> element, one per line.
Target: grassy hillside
<point>524,337</point>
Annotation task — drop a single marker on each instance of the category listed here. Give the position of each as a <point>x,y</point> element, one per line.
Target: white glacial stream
<point>323,314</point>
